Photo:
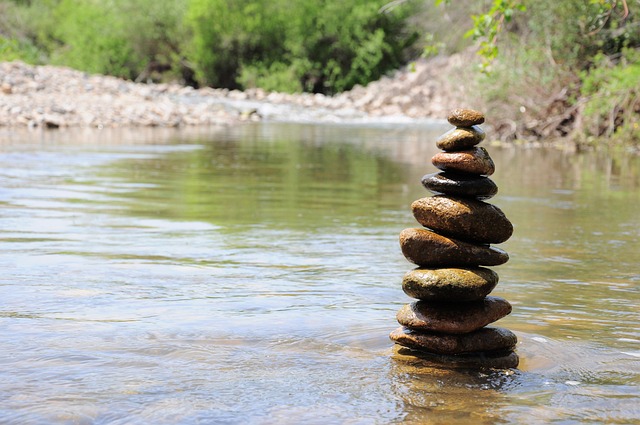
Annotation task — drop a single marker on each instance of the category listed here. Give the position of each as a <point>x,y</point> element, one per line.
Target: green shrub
<point>612,94</point>
<point>288,45</point>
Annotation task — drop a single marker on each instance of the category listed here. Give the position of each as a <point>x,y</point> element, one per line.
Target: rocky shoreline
<point>57,97</point>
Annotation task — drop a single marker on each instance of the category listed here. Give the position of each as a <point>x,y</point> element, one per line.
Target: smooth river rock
<point>465,117</point>
<point>453,284</point>
<point>424,362</point>
<point>472,161</point>
<point>453,318</point>
<point>429,249</point>
<point>452,183</point>
<point>460,138</point>
<point>487,339</point>
<point>463,218</point>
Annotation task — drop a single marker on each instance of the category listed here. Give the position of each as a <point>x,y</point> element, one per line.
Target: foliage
<point>612,95</point>
<point>325,46</point>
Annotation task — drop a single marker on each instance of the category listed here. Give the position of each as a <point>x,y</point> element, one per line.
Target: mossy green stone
<point>451,284</point>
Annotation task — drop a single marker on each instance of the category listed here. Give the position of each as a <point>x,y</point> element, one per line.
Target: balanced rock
<point>451,183</point>
<point>428,249</point>
<point>422,359</point>
<point>454,284</point>
<point>460,138</point>
<point>463,218</point>
<point>465,117</point>
<point>453,318</point>
<point>472,161</point>
<point>487,339</point>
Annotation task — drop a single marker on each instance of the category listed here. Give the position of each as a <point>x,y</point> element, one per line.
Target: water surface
<point>252,275</point>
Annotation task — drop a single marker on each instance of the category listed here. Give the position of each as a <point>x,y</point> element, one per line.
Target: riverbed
<point>250,274</point>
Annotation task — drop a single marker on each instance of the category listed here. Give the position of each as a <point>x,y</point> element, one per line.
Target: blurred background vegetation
<point>547,68</point>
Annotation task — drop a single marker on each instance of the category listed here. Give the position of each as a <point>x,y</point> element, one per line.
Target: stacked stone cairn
<point>448,323</point>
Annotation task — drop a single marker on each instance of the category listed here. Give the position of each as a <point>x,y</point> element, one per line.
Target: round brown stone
<point>460,138</point>
<point>422,359</point>
<point>465,117</point>
<point>472,161</point>
<point>453,318</point>
<point>453,284</point>
<point>429,249</point>
<point>452,183</point>
<point>483,340</point>
<point>463,218</point>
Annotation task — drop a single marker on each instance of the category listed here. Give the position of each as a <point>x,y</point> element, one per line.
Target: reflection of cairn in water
<point>448,322</point>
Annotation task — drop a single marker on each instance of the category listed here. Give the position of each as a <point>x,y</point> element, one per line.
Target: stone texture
<point>453,284</point>
<point>451,183</point>
<point>465,117</point>
<point>460,138</point>
<point>453,318</point>
<point>428,249</point>
<point>472,161</point>
<point>463,218</point>
<point>487,339</point>
<point>421,360</point>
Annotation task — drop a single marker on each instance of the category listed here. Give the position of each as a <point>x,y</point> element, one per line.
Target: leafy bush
<point>612,94</point>
<point>288,45</point>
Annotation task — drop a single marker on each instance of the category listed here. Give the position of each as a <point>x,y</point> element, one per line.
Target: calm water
<point>252,275</point>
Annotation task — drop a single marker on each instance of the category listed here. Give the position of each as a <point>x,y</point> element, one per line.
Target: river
<point>251,275</point>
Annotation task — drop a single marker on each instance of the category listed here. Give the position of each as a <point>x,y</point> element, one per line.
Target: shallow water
<point>251,275</point>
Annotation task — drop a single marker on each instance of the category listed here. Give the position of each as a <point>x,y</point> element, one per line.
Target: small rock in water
<point>428,249</point>
<point>453,318</point>
<point>460,138</point>
<point>465,117</point>
<point>453,284</point>
<point>487,339</point>
<point>472,161</point>
<point>451,183</point>
<point>463,218</point>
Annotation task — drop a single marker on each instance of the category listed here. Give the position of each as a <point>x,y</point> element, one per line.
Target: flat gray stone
<point>463,218</point>
<point>459,184</point>
<point>451,284</point>
<point>487,339</point>
<point>429,249</point>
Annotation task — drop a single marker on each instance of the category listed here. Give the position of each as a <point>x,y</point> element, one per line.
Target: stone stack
<point>448,323</point>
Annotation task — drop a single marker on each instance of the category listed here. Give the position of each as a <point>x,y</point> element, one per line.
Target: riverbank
<point>57,97</point>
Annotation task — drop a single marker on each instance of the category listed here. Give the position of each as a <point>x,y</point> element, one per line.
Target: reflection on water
<point>252,275</point>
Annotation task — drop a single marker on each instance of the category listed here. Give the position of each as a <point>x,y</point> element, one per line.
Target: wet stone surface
<point>453,318</point>
<point>460,139</point>
<point>462,218</point>
<point>452,183</point>
<point>473,161</point>
<point>489,339</point>
<point>461,117</point>
<point>451,284</point>
<point>428,249</point>
<point>421,359</point>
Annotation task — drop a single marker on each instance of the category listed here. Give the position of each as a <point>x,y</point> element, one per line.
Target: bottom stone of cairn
<point>418,358</point>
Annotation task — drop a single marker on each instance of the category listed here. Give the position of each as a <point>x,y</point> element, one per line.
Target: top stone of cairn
<point>465,117</point>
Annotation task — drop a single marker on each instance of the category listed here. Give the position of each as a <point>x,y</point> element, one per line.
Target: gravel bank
<point>55,97</point>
